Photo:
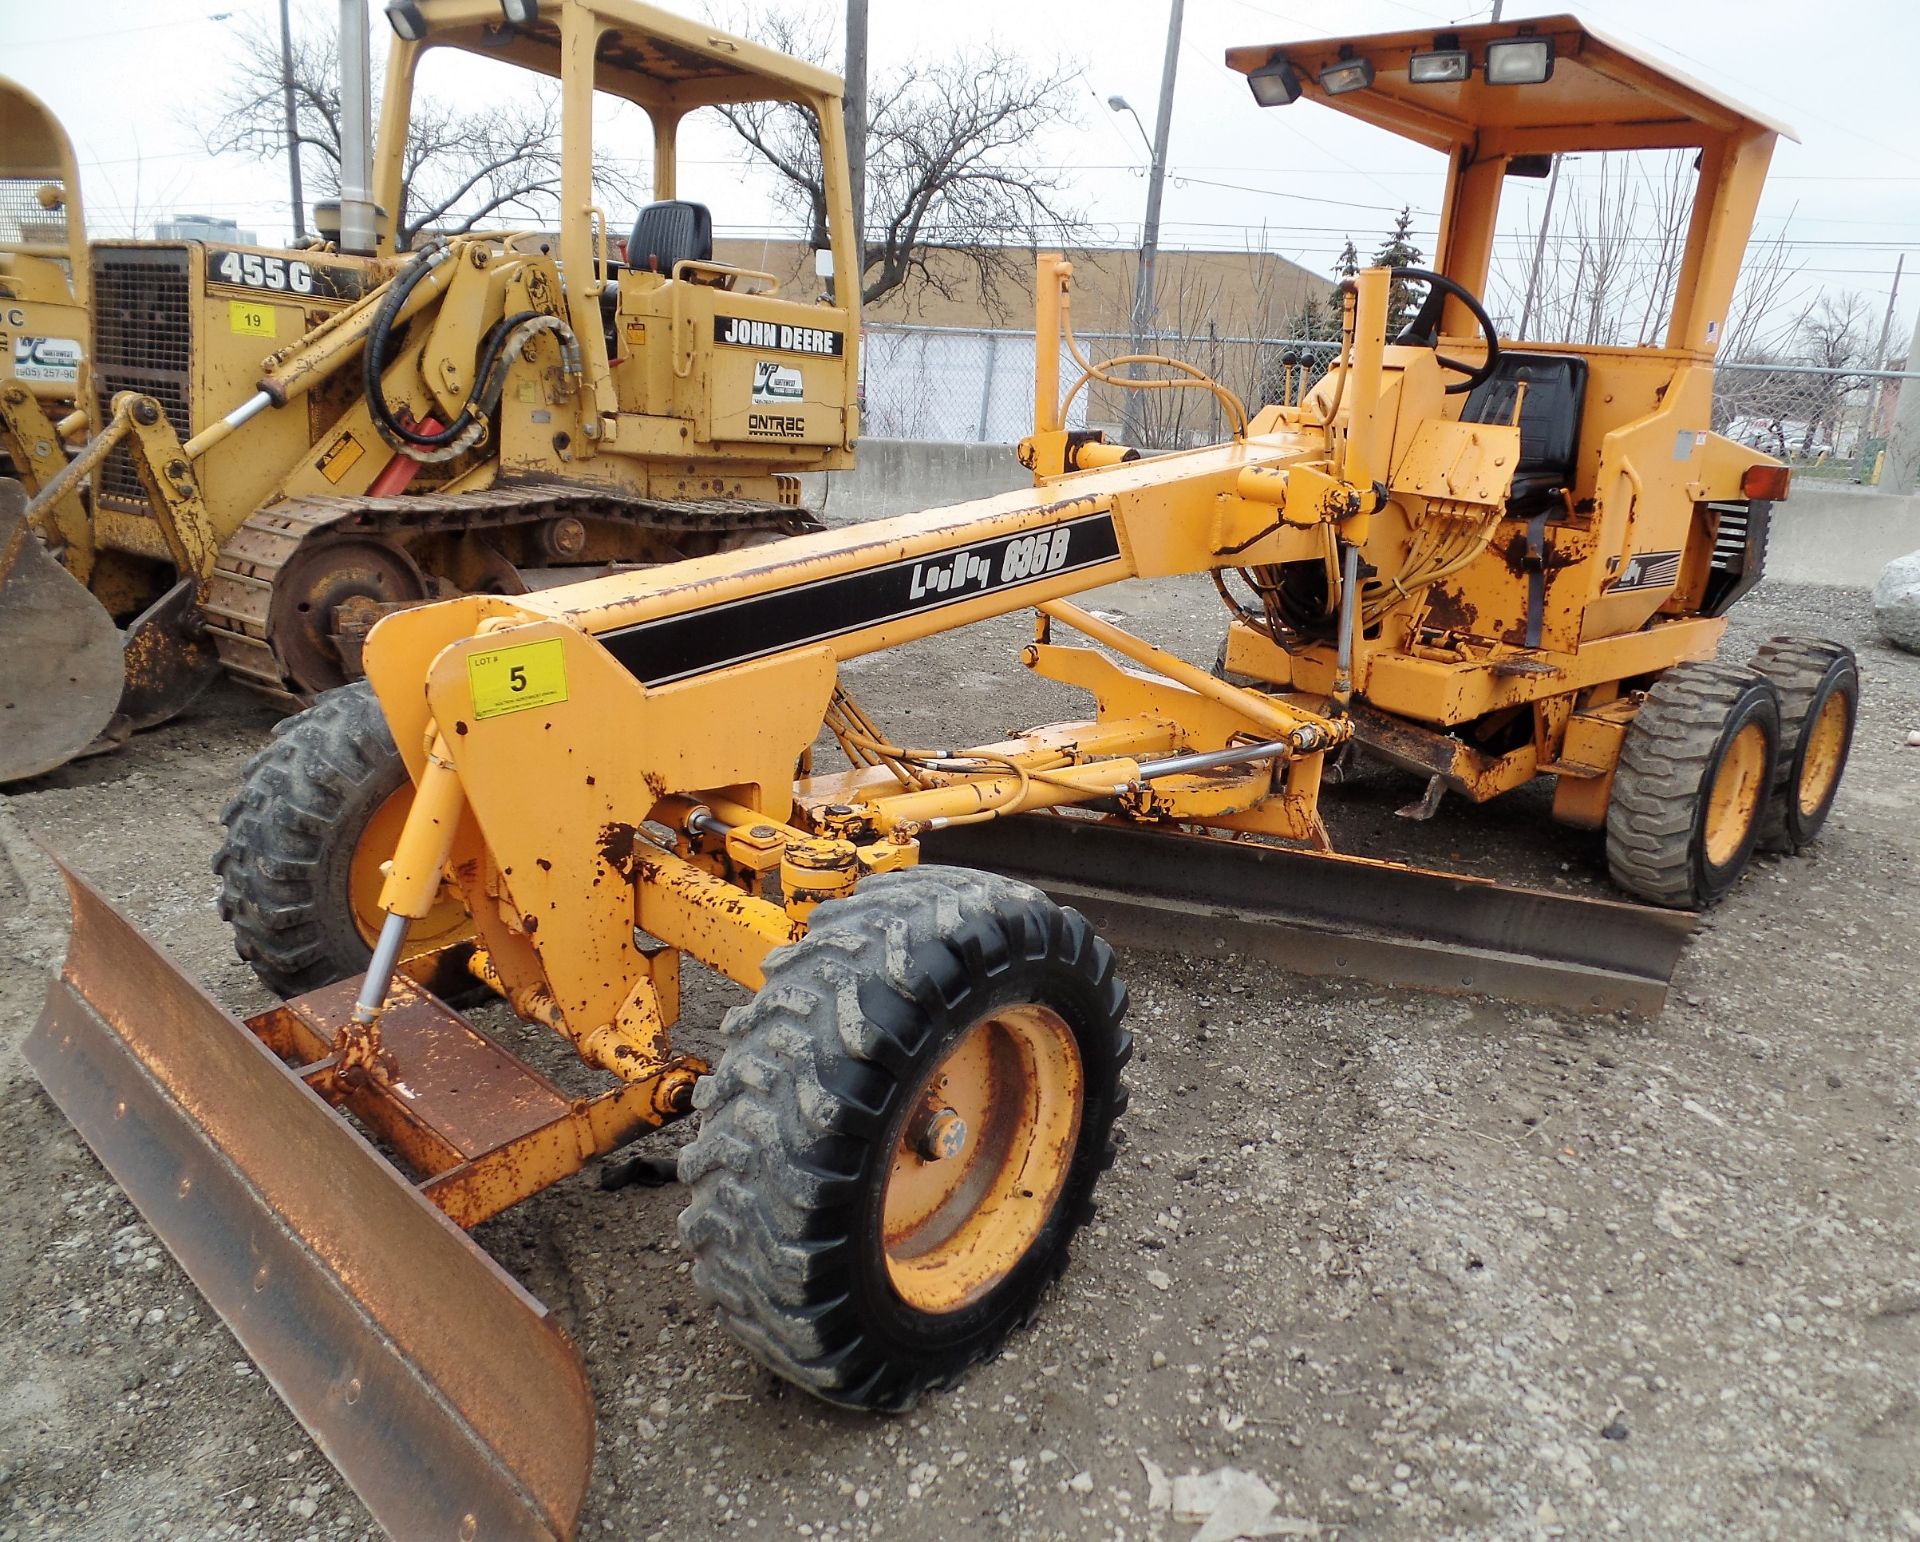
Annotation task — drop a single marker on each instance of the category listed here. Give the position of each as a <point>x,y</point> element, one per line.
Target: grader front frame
<point>904,1131</point>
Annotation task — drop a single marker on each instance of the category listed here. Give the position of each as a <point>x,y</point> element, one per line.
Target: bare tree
<point>1615,252</point>
<point>949,147</point>
<point>462,167</point>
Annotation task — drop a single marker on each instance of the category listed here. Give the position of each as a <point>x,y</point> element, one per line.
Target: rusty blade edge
<point>1337,916</point>
<point>396,1433</point>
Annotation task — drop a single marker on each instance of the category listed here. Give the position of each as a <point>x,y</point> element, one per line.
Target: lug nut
<point>944,1136</point>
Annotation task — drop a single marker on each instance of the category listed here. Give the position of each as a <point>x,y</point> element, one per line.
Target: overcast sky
<point>132,80</point>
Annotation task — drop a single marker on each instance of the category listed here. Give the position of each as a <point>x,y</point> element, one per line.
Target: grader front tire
<point>905,1132</point>
<point>1819,685</point>
<point>318,810</point>
<point>1692,784</point>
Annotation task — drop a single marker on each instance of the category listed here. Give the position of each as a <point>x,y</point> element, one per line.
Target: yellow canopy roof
<point>1602,95</point>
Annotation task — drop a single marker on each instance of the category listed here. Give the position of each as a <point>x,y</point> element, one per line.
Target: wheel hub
<point>977,1172</point>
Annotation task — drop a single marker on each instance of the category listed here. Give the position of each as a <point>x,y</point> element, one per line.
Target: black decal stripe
<point>676,647</point>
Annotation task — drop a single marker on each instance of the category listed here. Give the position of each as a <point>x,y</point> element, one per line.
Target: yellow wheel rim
<point>447,922</point>
<point>983,1158</point>
<point>1825,750</point>
<point>1739,787</point>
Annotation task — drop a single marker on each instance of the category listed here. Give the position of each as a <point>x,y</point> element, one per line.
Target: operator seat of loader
<point>664,234</point>
<point>1549,423</point>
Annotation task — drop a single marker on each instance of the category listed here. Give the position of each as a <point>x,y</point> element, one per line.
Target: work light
<point>1275,84</point>
<point>1347,75</point>
<point>521,13</point>
<point>407,23</point>
<point>1519,61</point>
<point>1440,67</point>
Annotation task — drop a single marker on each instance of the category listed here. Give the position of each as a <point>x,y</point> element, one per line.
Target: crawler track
<point>240,602</point>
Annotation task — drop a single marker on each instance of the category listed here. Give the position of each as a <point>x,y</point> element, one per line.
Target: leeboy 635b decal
<point>675,647</point>
<point>742,333</point>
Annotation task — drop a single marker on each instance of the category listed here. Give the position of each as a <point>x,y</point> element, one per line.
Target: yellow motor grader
<point>1488,560</point>
<point>293,443</point>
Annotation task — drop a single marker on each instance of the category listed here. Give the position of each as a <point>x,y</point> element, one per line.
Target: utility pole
<point>356,130</point>
<point>856,115</point>
<point>1539,246</point>
<point>293,123</point>
<point>1902,465</point>
<point>1143,286</point>
<point>1496,11</point>
<point>1863,461</point>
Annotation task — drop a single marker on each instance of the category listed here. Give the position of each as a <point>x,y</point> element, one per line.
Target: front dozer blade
<point>62,674</point>
<point>440,1389</point>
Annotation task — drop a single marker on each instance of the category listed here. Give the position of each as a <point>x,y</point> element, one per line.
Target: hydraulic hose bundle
<point>502,341</point>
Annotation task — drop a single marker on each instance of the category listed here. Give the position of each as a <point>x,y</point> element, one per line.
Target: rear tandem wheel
<point>1692,784</point>
<point>904,1133</point>
<point>1819,685</point>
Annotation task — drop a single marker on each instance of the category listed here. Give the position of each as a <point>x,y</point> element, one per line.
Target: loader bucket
<point>64,670</point>
<point>442,1391</point>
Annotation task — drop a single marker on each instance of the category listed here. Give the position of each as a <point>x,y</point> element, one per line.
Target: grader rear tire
<point>317,812</point>
<point>904,1134</point>
<point>1819,685</point>
<point>1692,784</point>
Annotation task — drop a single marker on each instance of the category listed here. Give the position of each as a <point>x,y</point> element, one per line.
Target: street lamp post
<point>1143,287</point>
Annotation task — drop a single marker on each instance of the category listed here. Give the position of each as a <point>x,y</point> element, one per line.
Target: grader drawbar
<point>560,795</point>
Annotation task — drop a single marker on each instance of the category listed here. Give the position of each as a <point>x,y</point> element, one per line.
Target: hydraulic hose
<point>503,339</point>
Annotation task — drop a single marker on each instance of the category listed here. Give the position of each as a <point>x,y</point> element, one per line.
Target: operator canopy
<point>1485,88</point>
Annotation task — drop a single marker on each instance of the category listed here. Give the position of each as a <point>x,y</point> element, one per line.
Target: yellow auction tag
<point>514,679</point>
<point>249,318</point>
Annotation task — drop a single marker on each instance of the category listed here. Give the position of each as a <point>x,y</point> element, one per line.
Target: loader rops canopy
<point>1486,88</point>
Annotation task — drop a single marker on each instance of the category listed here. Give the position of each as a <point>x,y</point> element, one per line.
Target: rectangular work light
<point>1347,75</point>
<point>1439,68</point>
<point>1275,84</point>
<point>1519,61</point>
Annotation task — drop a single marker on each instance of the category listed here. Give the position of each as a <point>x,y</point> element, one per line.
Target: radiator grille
<point>141,342</point>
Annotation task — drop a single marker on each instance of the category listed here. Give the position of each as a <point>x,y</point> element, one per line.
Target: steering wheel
<point>1424,330</point>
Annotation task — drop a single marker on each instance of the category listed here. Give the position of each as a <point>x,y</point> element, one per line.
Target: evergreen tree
<point>1344,267</point>
<point>1398,252</point>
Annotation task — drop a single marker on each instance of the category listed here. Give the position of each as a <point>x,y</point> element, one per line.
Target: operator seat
<point>668,233</point>
<point>1549,423</point>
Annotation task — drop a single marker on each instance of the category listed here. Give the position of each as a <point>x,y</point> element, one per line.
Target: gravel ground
<point>1422,1267</point>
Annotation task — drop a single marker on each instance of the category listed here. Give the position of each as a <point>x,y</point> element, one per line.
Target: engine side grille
<point>141,342</point>
<point>1739,552</point>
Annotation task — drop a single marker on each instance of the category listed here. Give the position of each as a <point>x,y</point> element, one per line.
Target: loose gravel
<point>1370,1265</point>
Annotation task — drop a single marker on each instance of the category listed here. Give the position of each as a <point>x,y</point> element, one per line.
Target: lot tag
<point>514,679</point>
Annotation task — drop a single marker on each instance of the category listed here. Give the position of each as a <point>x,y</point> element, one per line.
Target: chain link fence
<point>976,386</point>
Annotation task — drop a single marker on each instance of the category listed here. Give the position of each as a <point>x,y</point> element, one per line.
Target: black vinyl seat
<point>1549,422</point>
<point>668,233</point>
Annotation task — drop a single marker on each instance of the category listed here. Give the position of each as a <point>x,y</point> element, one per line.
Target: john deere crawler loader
<point>292,444</point>
<point>1491,561</point>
